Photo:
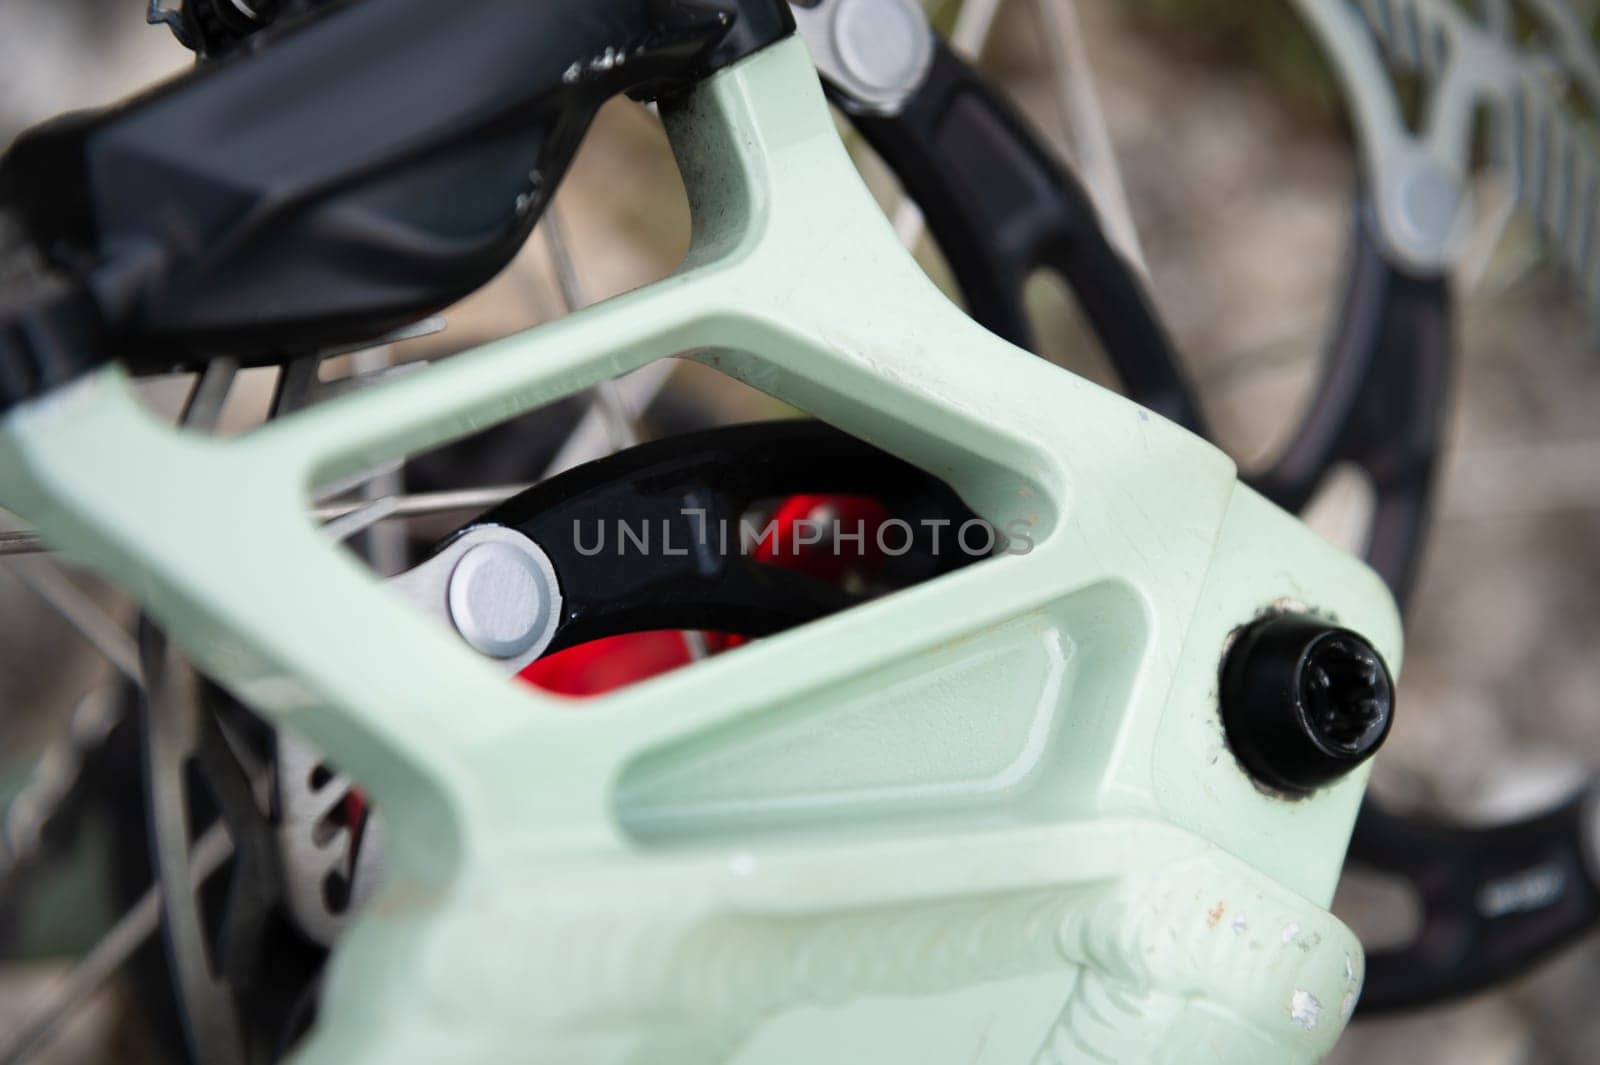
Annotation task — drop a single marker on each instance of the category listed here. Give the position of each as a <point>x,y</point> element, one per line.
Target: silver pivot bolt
<point>500,599</point>
<point>875,52</point>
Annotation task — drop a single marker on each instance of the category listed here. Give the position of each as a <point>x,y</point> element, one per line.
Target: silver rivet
<point>1427,203</point>
<point>498,599</point>
<point>883,44</point>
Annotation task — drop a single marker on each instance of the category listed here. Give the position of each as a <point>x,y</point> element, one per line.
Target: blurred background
<point>1238,169</point>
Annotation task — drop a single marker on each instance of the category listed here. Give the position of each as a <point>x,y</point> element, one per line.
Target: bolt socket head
<point>1304,702</point>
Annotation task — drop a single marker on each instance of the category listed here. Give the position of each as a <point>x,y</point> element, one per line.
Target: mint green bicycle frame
<point>989,819</point>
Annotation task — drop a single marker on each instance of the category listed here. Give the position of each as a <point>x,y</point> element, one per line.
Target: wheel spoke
<point>130,932</point>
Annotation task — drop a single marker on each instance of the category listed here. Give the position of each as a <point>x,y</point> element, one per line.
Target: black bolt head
<point>1304,702</point>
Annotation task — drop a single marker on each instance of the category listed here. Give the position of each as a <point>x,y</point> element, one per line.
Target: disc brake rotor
<point>1001,207</point>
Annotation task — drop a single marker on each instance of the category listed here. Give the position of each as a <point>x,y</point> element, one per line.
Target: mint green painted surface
<point>987,820</point>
